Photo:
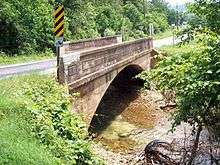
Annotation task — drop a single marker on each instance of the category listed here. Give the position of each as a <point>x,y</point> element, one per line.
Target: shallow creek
<point>126,120</point>
<point>121,114</point>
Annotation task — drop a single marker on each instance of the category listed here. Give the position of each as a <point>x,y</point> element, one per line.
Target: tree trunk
<point>195,146</point>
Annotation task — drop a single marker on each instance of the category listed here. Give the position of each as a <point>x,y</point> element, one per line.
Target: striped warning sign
<point>59,21</point>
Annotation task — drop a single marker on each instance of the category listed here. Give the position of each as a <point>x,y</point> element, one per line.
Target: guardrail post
<point>119,39</point>
<point>61,78</point>
<point>61,72</point>
<point>58,59</point>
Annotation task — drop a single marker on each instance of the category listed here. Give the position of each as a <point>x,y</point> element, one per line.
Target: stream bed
<point>117,136</point>
<point>127,120</point>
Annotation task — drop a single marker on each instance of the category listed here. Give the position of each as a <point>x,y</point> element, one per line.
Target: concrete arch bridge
<point>91,66</point>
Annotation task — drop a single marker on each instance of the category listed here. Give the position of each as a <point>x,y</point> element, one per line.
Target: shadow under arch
<point>122,90</point>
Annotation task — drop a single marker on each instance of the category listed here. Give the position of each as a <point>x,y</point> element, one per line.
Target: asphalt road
<point>45,66</point>
<point>165,42</point>
<point>49,66</point>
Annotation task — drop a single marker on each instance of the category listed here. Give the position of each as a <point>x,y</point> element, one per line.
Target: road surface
<point>49,66</point>
<point>45,66</point>
<point>165,42</point>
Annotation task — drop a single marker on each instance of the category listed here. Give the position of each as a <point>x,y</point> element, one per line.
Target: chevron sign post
<point>58,30</point>
<point>59,25</point>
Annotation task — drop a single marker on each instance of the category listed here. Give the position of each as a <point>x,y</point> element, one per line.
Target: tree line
<point>26,25</point>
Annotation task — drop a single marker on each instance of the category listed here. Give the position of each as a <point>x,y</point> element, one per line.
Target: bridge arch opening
<point>122,90</point>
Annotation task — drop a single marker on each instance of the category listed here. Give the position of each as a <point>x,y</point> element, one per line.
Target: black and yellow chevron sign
<point>58,21</point>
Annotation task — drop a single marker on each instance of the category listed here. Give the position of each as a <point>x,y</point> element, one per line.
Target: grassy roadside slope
<point>37,125</point>
<point>17,143</point>
<point>6,59</point>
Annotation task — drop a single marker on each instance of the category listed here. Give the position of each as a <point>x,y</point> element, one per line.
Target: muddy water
<point>122,112</point>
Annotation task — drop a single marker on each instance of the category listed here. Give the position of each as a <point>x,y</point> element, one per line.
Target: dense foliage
<point>53,123</point>
<point>17,143</point>
<point>26,25</point>
<point>42,110</point>
<point>194,73</point>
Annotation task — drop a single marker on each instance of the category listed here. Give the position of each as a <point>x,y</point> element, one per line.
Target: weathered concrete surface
<point>79,65</point>
<point>92,92</point>
<point>75,46</point>
<point>91,72</point>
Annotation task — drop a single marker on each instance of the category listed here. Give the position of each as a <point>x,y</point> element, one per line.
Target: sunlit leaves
<point>55,125</point>
<point>192,72</point>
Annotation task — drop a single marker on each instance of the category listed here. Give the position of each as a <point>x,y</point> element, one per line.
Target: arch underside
<point>120,85</point>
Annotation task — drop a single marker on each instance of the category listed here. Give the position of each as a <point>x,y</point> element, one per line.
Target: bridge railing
<point>77,65</point>
<point>74,46</point>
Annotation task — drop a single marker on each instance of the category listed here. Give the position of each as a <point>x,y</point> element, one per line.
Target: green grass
<point>167,33</point>
<point>184,48</point>
<point>17,144</point>
<point>7,59</point>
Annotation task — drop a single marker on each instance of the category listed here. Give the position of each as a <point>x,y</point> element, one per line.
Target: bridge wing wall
<point>78,65</point>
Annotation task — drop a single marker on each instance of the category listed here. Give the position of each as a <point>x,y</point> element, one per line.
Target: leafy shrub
<point>53,123</point>
<point>17,143</point>
<point>126,29</point>
<point>26,26</point>
<point>192,72</point>
<point>109,32</point>
<point>145,77</point>
<point>135,16</point>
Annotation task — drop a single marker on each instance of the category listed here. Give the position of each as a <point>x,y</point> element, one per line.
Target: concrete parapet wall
<point>73,46</point>
<point>80,64</point>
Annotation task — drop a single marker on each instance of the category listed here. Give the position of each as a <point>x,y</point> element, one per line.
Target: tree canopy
<point>27,25</point>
